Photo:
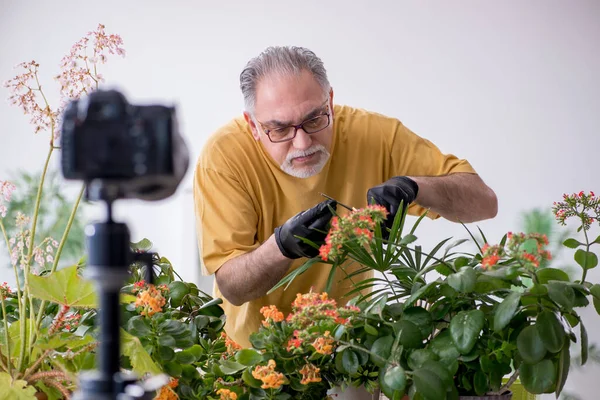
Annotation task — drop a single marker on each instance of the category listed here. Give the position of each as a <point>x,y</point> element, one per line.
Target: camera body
<point>136,151</point>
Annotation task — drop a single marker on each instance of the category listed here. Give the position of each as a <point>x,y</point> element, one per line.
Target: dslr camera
<point>132,151</point>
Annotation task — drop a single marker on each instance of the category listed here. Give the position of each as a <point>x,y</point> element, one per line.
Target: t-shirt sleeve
<point>225,218</point>
<point>413,155</point>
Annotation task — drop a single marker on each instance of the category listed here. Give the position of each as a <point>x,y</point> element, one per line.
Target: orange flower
<point>231,345</point>
<point>226,394</point>
<point>271,379</point>
<point>151,300</point>
<point>272,313</point>
<point>167,392</point>
<point>324,344</point>
<point>310,373</point>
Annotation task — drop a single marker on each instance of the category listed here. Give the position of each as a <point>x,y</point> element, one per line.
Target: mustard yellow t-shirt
<point>242,195</point>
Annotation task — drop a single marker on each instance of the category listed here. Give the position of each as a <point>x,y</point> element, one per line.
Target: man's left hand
<point>390,194</point>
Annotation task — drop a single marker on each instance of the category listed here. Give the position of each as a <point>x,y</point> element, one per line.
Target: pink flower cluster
<point>513,250</point>
<point>582,206</point>
<point>6,190</point>
<point>79,75</point>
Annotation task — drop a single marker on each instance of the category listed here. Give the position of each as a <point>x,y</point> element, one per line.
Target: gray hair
<point>288,60</point>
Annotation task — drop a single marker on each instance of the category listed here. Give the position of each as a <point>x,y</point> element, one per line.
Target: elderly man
<point>258,181</point>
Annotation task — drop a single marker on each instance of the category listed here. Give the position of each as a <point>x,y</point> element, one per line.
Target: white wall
<point>511,86</point>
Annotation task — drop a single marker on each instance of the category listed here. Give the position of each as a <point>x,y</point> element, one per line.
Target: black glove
<point>390,193</point>
<point>306,224</point>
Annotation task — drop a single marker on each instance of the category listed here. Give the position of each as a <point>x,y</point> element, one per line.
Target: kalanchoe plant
<point>298,356</point>
<point>39,347</point>
<point>452,323</point>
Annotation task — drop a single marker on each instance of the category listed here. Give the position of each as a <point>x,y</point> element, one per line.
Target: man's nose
<point>302,140</point>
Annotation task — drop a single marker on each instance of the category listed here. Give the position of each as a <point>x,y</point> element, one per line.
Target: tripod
<point>108,261</point>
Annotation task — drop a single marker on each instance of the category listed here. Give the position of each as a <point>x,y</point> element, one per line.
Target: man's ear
<point>331,101</point>
<point>252,125</point>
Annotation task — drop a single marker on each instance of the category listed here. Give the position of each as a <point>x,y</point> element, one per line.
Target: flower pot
<point>505,396</point>
<point>353,393</point>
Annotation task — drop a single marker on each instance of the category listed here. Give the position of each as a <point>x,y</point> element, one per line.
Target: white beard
<point>307,171</point>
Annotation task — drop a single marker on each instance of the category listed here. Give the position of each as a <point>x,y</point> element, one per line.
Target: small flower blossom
<point>6,190</point>
<point>324,344</point>
<point>581,206</point>
<point>266,373</point>
<point>230,344</point>
<point>4,290</point>
<point>166,392</point>
<point>151,300</point>
<point>492,255</point>
<point>271,313</point>
<point>310,373</point>
<point>358,226</point>
<point>226,394</point>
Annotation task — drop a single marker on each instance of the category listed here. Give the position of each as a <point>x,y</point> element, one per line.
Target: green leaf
<point>530,345</point>
<point>421,318</point>
<point>597,240</point>
<point>229,367</point>
<point>184,357</point>
<point>562,294</point>
<point>538,378</point>
<point>143,245</point>
<point>350,361</point>
<point>410,334</point>
<point>595,291</point>
<point>564,363</point>
<point>464,280</point>
<point>548,274</point>
<point>395,378</point>
<point>506,310</point>
<point>140,360</point>
<point>388,391</point>
<point>418,357</point>
<point>584,344</point>
<point>551,331</point>
<point>586,259</point>
<point>480,383</point>
<point>15,390</point>
<point>250,380</point>
<point>572,243</point>
<point>465,328</point>
<point>371,330</point>
<point>173,369</point>
<point>429,384</point>
<point>248,357</point>
<point>382,348</point>
<point>444,346</point>
<point>140,327</point>
<point>165,353</point>
<point>189,372</point>
<point>63,287</point>
<point>177,291</point>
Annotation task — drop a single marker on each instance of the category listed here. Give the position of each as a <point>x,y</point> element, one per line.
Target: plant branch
<point>63,390</point>
<point>63,240</point>
<point>508,384</point>
<point>5,318</point>
<point>35,366</point>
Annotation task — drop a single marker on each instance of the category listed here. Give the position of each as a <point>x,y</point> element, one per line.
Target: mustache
<point>303,153</point>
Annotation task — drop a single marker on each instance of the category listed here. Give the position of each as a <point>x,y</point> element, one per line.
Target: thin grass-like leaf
<point>472,237</point>
<point>287,280</point>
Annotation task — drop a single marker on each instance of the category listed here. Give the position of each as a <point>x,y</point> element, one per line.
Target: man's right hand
<point>306,224</point>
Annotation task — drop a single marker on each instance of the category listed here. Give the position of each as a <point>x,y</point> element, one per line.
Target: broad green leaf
<point>584,344</point>
<point>381,350</point>
<point>506,310</point>
<point>15,390</point>
<point>395,378</point>
<point>572,243</point>
<point>548,274</point>
<point>562,294</point>
<point>429,384</point>
<point>140,360</point>
<point>480,383</point>
<point>350,361</point>
<point>410,334</point>
<point>465,328</point>
<point>444,346</point>
<point>142,245</point>
<point>421,318</point>
<point>61,339</point>
<point>386,390</point>
<point>371,330</point>
<point>551,331</point>
<point>595,291</point>
<point>248,357</point>
<point>538,378</point>
<point>177,291</point>
<point>564,363</point>
<point>464,280</point>
<point>530,345</point>
<point>250,380</point>
<point>440,370</point>
<point>184,357</point>
<point>173,368</point>
<point>63,287</point>
<point>230,367</point>
<point>586,259</point>
<point>597,240</point>
<point>418,357</point>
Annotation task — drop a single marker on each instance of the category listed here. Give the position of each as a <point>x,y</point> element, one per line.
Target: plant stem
<point>8,362</point>
<point>508,384</point>
<point>587,249</point>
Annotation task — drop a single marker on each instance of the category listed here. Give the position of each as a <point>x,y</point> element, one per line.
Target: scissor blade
<point>341,204</point>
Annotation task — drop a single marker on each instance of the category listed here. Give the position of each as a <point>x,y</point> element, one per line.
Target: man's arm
<point>251,275</point>
<point>458,197</point>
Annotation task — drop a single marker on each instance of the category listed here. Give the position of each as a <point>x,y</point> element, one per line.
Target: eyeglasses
<point>310,126</point>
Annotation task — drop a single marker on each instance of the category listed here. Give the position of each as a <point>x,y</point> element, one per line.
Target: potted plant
<point>451,324</point>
